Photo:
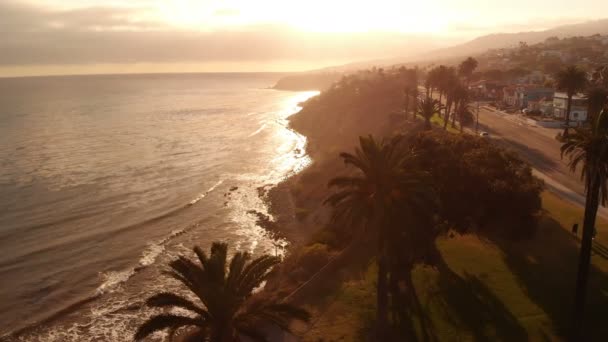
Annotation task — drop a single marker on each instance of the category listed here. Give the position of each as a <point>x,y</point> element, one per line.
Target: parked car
<point>484,134</point>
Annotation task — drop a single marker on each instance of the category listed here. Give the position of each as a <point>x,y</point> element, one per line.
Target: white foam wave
<point>150,254</point>
<point>257,131</point>
<point>113,279</point>
<point>204,194</point>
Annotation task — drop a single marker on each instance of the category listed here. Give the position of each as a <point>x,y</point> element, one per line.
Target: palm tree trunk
<point>223,333</point>
<point>446,117</point>
<point>461,128</point>
<point>382,295</point>
<point>591,206</point>
<point>568,107</point>
<point>457,111</point>
<point>407,102</point>
<point>415,106</point>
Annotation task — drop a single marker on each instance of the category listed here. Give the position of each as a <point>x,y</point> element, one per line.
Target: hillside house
<point>490,90</point>
<point>578,111</point>
<point>527,93</point>
<point>509,96</point>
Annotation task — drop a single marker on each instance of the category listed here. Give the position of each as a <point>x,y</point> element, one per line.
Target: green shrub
<point>312,258</point>
<point>481,187</point>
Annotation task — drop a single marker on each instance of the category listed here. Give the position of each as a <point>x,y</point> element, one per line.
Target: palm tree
<point>432,81</point>
<point>427,108</point>
<point>571,80</point>
<point>227,309</point>
<point>599,77</point>
<point>384,186</point>
<point>451,84</point>
<point>588,147</point>
<point>466,68</point>
<point>462,97</point>
<point>443,75</point>
<point>410,92</point>
<point>597,99</point>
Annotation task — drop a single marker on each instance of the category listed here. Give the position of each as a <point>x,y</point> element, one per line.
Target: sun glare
<point>309,16</point>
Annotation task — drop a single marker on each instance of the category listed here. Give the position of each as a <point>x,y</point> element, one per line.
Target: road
<point>538,147</point>
<point>540,150</point>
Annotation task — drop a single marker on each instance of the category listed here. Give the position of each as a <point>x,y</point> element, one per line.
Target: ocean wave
<point>204,194</point>
<point>257,131</point>
<point>113,279</point>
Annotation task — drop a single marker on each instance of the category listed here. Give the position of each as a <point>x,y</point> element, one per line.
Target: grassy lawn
<point>493,290</point>
<point>438,121</point>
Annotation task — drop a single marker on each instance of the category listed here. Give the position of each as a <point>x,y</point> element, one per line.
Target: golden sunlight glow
<point>310,16</point>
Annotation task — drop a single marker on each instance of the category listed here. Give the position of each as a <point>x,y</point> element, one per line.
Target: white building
<point>578,110</point>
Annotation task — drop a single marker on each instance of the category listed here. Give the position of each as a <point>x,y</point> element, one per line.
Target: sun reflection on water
<point>288,158</point>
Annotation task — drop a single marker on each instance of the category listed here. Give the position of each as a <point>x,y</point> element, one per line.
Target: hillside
<point>505,40</point>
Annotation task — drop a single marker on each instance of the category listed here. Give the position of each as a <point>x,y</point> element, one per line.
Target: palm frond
<point>587,148</point>
<point>237,264</point>
<point>255,273</point>
<point>166,321</point>
<point>252,331</point>
<point>165,299</point>
<point>216,264</point>
<point>342,182</point>
<point>279,314</point>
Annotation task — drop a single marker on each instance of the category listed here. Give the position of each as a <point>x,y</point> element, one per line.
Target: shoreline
<point>271,195</point>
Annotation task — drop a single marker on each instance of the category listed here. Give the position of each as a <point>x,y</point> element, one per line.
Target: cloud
<point>35,36</point>
<point>18,17</point>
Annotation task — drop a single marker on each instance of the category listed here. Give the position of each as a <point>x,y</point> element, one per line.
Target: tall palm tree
<point>432,81</point>
<point>571,80</point>
<point>386,184</point>
<point>227,309</point>
<point>410,92</point>
<point>451,84</point>
<point>462,97</point>
<point>427,108</point>
<point>599,77</point>
<point>410,86</point>
<point>597,99</point>
<point>466,68</point>
<point>443,75</point>
<point>588,147</point>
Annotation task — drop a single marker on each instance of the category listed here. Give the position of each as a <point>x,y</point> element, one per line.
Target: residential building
<point>578,110</point>
<point>526,93</point>
<point>490,90</point>
<point>546,107</point>
<point>509,96</point>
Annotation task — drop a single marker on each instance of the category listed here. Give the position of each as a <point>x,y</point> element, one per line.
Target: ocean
<point>104,179</point>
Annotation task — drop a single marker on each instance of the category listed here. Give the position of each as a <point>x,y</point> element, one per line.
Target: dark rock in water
<point>265,222</point>
<point>234,188</point>
<point>263,190</point>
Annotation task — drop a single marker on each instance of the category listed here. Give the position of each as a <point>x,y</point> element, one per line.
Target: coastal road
<point>538,148</point>
<point>537,145</point>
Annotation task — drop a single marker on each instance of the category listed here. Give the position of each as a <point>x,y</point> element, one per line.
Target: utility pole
<point>477,123</point>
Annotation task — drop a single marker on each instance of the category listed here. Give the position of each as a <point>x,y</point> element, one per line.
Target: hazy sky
<point>95,36</point>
